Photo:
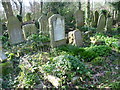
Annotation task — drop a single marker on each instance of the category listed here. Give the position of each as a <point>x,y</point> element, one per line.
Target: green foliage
<point>109,41</point>
<point>6,68</point>
<point>37,24</point>
<point>104,12</point>
<point>39,38</point>
<point>28,17</point>
<point>101,50</point>
<point>98,61</point>
<point>66,66</point>
<point>59,6</point>
<point>85,28</point>
<point>116,5</point>
<point>88,53</point>
<point>65,9</point>
<point>115,85</point>
<point>94,51</point>
<point>19,18</point>
<point>73,50</point>
<point>26,78</point>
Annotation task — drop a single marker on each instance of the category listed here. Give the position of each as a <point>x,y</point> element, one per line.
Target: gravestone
<point>92,22</point>
<point>2,55</point>
<point>43,23</point>
<point>101,23</point>
<point>49,14</point>
<point>109,23</point>
<point>14,30</point>
<point>79,17</point>
<point>57,30</point>
<point>29,29</point>
<point>96,16</point>
<point>75,38</point>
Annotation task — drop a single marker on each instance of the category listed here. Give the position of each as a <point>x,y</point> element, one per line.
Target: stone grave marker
<point>57,30</point>
<point>29,29</point>
<point>109,23</point>
<point>92,22</point>
<point>43,23</point>
<point>75,38</point>
<point>79,17</point>
<point>101,23</point>
<point>14,30</point>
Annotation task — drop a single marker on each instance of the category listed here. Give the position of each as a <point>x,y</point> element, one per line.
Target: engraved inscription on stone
<point>59,30</point>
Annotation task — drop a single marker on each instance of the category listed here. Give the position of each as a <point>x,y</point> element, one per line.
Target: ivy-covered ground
<point>33,64</point>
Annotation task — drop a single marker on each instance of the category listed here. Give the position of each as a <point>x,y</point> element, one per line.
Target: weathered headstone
<point>43,23</point>
<point>79,17</point>
<point>101,23</point>
<point>57,30</point>
<point>96,16</point>
<point>75,38</point>
<point>109,23</point>
<point>92,18</point>
<point>2,55</point>
<point>49,14</point>
<point>14,30</point>
<point>29,29</point>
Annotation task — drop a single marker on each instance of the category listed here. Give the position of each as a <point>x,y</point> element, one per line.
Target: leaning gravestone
<point>79,17</point>
<point>101,23</point>
<point>109,23</point>
<point>57,30</point>
<point>14,30</point>
<point>75,38</point>
<point>43,23</point>
<point>96,16</point>
<point>29,29</point>
<point>2,55</point>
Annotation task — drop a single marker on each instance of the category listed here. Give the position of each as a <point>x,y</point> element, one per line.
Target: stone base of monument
<point>58,43</point>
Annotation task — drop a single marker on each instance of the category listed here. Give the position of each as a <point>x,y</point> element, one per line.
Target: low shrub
<point>66,66</point>
<point>109,41</point>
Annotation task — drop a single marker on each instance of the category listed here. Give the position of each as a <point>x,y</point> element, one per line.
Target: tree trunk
<point>20,2</point>
<point>8,8</point>
<point>79,6</point>
<point>41,6</point>
<point>13,26</point>
<point>88,8</point>
<point>118,16</point>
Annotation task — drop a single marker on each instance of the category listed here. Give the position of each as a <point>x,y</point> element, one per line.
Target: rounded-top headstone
<point>43,24</point>
<point>109,23</point>
<point>101,23</point>
<point>79,17</point>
